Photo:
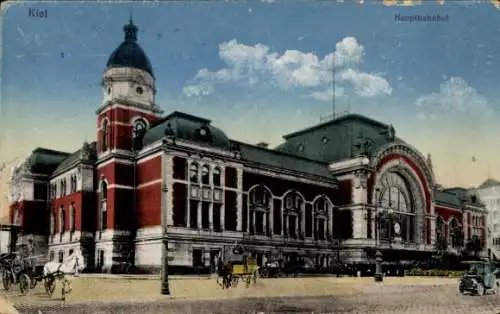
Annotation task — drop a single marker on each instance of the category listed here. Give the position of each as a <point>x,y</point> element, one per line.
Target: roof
<point>269,157</point>
<point>75,157</point>
<point>489,183</point>
<point>455,197</point>
<point>338,139</point>
<point>187,127</point>
<point>45,161</point>
<point>129,53</point>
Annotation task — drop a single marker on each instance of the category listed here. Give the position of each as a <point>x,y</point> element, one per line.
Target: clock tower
<point>127,112</point>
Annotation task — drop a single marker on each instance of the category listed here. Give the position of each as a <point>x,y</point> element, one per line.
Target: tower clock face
<point>394,193</point>
<point>139,128</point>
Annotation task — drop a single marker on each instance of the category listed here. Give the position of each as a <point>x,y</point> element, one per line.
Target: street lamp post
<point>165,290</point>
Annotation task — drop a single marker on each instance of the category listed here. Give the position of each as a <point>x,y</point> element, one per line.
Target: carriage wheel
<point>6,279</point>
<point>24,283</point>
<point>50,285</point>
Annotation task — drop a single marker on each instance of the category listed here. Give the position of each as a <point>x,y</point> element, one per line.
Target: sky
<point>262,69</point>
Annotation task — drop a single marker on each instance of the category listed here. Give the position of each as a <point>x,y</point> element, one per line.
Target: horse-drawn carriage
<point>238,265</point>
<point>26,270</point>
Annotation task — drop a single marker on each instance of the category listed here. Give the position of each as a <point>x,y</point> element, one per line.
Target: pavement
<point>283,295</point>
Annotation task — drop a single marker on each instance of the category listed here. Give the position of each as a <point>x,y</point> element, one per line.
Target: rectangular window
<point>230,210</point>
<point>216,217</point>
<point>61,256</point>
<point>179,168</point>
<point>205,214</point>
<point>51,256</point>
<point>231,177</point>
<point>180,195</point>
<point>193,214</point>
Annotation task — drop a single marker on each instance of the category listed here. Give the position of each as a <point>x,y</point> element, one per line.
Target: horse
<point>225,271</point>
<point>71,267</point>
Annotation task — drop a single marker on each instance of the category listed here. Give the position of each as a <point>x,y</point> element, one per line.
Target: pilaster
<point>239,201</point>
<point>167,175</point>
<point>360,187</point>
<point>358,224</point>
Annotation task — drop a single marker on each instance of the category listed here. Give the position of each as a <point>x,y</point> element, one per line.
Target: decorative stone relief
<point>195,191</point>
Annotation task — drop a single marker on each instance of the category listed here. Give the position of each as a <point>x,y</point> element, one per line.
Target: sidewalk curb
<point>144,277</point>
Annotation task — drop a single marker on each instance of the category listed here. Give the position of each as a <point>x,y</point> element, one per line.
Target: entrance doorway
<point>214,257</point>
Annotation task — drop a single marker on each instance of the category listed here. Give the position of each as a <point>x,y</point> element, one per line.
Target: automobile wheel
<point>480,289</point>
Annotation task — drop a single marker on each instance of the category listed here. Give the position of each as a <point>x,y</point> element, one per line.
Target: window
<point>72,220</point>
<point>205,175</point>
<point>61,188</point>
<point>193,172</point>
<point>61,256</point>
<point>51,256</point>
<point>62,220</point>
<point>104,135</point>
<point>103,203</point>
<point>139,90</point>
<point>193,214</point>
<point>216,176</point>
<point>52,222</point>
<point>231,177</point>
<point>179,168</point>
<point>73,184</point>
<point>205,214</point>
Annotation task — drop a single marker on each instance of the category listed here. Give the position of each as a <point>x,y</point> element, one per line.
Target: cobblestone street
<point>299,295</point>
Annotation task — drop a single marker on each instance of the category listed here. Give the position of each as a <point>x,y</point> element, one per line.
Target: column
<point>198,218</point>
<point>297,226</point>
<point>325,228</point>
<point>264,222</point>
<point>188,213</point>
<point>315,228</point>
<point>211,217</point>
<point>287,224</point>
<point>330,222</point>
<point>239,201</point>
<point>223,217</point>
<point>357,224</point>
<point>253,221</point>
<point>271,218</point>
<point>283,222</point>
<point>167,179</point>
<point>303,220</point>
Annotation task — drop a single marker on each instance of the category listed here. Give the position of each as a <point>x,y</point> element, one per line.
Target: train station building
<point>316,195</point>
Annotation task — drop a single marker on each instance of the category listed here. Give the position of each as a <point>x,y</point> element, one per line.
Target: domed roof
<point>129,53</point>
<point>188,127</point>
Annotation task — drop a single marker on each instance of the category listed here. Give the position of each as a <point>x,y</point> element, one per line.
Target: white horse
<point>71,267</point>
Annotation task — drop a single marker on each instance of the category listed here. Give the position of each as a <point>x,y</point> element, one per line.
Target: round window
<point>139,90</point>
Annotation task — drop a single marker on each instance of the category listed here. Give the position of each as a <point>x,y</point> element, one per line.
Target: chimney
<point>262,144</point>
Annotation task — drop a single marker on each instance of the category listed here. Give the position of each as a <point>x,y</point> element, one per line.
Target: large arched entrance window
<point>395,196</point>
<point>322,219</point>
<point>441,242</point>
<point>259,208</point>
<point>293,214</point>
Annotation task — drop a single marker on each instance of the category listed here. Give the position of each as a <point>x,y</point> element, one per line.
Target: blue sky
<point>266,72</point>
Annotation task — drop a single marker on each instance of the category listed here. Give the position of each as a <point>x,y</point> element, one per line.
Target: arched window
<point>455,234</point>
<point>193,172</point>
<point>104,135</point>
<point>321,219</point>
<point>72,221</point>
<point>62,220</point>
<point>216,176</point>
<point>441,242</point>
<point>294,214</point>
<point>259,210</point>
<point>104,206</point>
<point>52,222</point>
<point>205,174</point>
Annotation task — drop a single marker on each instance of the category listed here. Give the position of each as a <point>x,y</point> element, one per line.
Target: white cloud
<point>365,84</point>
<point>327,94</point>
<point>250,65</point>
<point>454,96</point>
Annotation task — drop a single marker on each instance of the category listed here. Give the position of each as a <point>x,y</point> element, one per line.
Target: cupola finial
<point>130,30</point>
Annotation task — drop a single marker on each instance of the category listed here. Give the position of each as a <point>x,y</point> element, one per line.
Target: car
<point>481,278</point>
